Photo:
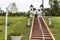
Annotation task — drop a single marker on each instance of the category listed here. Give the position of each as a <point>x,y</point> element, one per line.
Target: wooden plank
<point>48,29</point>
<point>31,29</point>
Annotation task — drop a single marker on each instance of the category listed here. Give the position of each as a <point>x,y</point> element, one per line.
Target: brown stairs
<point>39,31</point>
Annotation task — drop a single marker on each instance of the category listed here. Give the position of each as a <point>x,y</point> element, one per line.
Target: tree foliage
<point>54,8</point>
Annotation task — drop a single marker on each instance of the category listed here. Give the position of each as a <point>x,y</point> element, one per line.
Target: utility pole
<point>43,8</point>
<point>42,4</point>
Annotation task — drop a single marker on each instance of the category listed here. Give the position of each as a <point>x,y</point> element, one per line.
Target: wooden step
<point>37,39</point>
<point>41,35</point>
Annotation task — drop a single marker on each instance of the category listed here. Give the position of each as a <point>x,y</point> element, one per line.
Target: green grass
<point>15,25</point>
<point>19,25</point>
<point>2,27</point>
<point>55,29</point>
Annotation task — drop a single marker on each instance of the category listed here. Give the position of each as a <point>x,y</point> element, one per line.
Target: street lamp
<point>13,9</point>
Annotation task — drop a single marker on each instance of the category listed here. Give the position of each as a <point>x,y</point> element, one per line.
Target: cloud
<point>23,5</point>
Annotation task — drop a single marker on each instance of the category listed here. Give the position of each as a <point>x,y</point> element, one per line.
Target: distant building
<point>34,11</point>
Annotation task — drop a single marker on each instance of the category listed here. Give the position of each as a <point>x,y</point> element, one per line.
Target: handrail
<point>31,28</point>
<point>48,29</point>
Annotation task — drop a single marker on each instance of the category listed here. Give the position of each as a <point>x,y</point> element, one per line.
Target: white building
<point>34,11</point>
<point>38,12</point>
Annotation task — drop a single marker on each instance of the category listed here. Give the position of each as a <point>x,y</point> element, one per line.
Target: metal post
<point>6,23</point>
<point>43,8</point>
<point>42,4</point>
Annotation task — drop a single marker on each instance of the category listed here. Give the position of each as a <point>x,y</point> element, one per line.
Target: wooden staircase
<point>37,29</point>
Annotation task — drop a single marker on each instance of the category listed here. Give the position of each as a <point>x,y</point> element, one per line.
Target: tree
<point>47,12</point>
<point>54,6</point>
<point>28,14</point>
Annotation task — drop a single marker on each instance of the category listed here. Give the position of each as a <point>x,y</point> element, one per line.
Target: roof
<point>31,5</point>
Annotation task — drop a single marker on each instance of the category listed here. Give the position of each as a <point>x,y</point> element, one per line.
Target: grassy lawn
<point>19,25</point>
<point>55,29</point>
<point>2,27</point>
<point>16,25</point>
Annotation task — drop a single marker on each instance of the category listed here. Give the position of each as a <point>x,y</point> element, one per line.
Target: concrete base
<point>15,37</point>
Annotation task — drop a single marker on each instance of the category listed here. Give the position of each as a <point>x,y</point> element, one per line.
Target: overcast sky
<point>23,5</point>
